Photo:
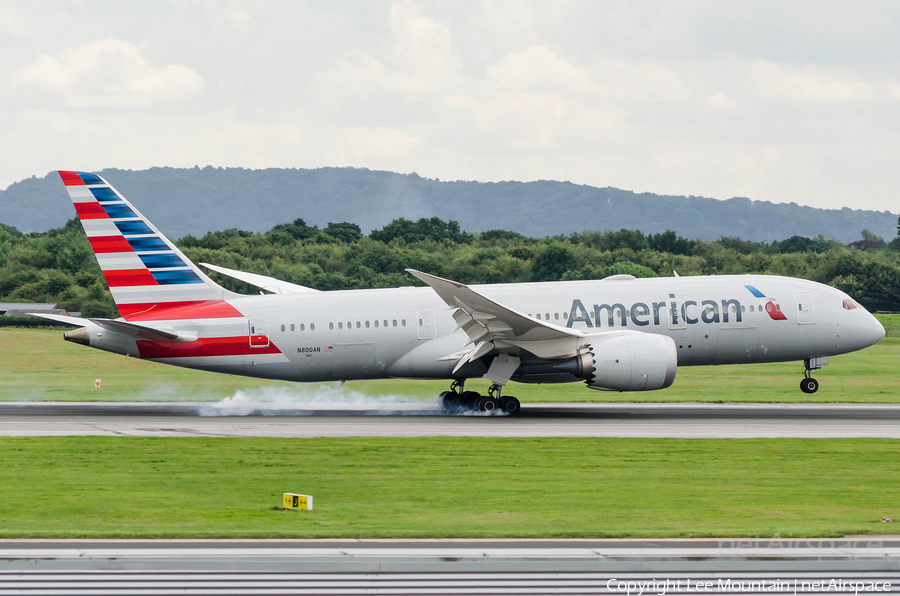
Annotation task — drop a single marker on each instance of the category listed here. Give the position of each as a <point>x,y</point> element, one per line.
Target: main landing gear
<point>458,400</point>
<point>809,384</point>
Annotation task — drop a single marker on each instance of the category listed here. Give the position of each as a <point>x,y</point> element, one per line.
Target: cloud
<point>818,84</point>
<point>108,73</point>
<point>418,60</point>
<point>539,69</point>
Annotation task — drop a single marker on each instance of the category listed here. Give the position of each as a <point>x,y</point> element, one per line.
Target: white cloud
<point>109,72</point>
<point>419,59</point>
<point>539,69</point>
<point>720,101</point>
<point>819,84</point>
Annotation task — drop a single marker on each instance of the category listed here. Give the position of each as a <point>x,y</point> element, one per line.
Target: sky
<point>776,101</point>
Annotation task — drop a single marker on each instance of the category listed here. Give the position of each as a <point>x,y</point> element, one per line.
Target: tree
<point>869,241</point>
<point>344,231</point>
<point>552,263</point>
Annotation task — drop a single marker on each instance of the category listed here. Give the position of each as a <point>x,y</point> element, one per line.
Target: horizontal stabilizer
<point>270,284</point>
<point>142,332</point>
<point>123,328</point>
<point>76,321</point>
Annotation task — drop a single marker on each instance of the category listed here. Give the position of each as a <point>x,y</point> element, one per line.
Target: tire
<point>510,405</point>
<point>469,399</point>
<point>449,401</point>
<point>488,404</point>
<point>809,385</point>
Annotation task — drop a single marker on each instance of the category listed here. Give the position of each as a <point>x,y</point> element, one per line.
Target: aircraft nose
<point>877,331</point>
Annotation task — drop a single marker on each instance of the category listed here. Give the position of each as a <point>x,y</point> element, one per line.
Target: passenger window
<point>743,308</point>
<point>340,325</point>
<point>547,316</point>
<point>358,325</point>
<point>403,322</point>
<point>367,324</point>
<point>420,322</point>
<point>565,316</point>
<point>395,322</point>
<point>778,307</point>
<point>385,322</point>
<point>293,328</point>
<point>556,316</point>
<point>376,323</point>
<point>538,316</point>
<point>330,326</point>
<point>349,325</point>
<point>312,326</point>
<point>302,327</point>
<point>751,308</point>
<point>282,327</point>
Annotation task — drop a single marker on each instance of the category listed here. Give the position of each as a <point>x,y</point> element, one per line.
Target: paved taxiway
<point>423,419</point>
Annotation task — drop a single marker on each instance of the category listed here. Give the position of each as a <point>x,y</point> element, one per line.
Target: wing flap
<point>491,325</point>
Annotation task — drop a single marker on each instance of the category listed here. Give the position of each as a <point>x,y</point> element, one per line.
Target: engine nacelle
<point>626,362</point>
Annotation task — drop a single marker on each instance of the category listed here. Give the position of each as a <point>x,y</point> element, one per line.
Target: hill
<point>183,201</point>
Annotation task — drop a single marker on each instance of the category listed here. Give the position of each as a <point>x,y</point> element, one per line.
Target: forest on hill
<point>182,201</point>
<point>58,265</point>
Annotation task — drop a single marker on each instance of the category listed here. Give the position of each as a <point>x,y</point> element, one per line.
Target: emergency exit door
<point>259,332</point>
<point>425,322</point>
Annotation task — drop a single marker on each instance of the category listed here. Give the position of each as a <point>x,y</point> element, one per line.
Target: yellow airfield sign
<point>292,501</point>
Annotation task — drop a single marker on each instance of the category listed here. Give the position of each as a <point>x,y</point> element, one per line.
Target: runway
<point>423,419</point>
<point>796,566</point>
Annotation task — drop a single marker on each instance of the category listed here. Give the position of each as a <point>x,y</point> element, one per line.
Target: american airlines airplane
<point>615,334</point>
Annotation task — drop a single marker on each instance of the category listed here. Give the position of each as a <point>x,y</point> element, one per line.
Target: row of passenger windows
<point>312,327</point>
<point>375,323</point>
<point>340,325</point>
<point>545,317</point>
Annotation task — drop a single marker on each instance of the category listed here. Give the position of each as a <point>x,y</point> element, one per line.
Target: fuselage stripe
<point>210,346</point>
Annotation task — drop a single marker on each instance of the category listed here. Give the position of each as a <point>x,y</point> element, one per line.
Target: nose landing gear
<point>809,384</point>
<point>458,400</point>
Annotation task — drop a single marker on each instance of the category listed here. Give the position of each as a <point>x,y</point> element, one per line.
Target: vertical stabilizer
<point>143,269</point>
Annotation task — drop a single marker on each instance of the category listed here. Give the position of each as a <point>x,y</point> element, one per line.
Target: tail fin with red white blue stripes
<point>144,271</point>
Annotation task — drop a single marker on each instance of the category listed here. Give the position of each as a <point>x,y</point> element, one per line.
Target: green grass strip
<point>446,487</point>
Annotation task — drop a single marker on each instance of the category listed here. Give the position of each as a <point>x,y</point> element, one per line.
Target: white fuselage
<point>409,332</point>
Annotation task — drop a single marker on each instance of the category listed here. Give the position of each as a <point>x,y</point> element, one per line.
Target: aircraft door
<point>806,309</point>
<point>259,332</point>
<point>425,322</point>
<point>675,313</point>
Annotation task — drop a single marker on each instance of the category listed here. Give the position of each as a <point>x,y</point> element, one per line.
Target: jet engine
<point>625,362</point>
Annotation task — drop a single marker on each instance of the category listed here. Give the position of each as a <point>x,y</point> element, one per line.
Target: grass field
<point>446,487</point>
<point>36,364</point>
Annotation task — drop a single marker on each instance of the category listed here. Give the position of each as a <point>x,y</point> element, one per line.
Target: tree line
<point>59,266</point>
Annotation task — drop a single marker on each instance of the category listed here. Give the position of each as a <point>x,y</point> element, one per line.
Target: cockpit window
<point>849,304</point>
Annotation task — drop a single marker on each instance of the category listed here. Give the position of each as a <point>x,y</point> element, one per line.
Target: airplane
<point>615,334</point>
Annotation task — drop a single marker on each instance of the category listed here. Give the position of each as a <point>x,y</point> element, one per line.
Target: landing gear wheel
<point>449,401</point>
<point>510,405</point>
<point>469,399</point>
<point>809,385</point>
<point>488,404</point>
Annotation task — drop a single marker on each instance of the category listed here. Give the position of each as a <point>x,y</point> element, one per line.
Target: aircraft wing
<point>270,284</point>
<point>491,325</point>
